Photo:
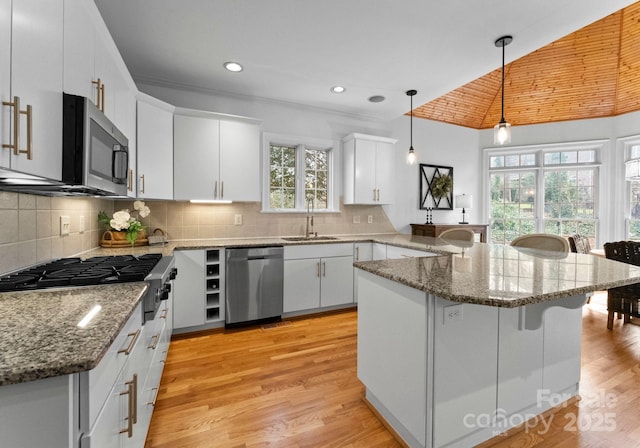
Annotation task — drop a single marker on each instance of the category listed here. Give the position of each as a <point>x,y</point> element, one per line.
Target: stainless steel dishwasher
<point>254,284</point>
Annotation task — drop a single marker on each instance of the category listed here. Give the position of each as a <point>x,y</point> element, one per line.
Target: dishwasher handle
<point>255,253</point>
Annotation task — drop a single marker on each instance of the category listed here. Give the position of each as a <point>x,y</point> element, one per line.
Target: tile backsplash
<point>30,227</point>
<point>30,224</point>
<point>183,220</point>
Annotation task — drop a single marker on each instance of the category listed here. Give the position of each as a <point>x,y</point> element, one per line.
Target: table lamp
<point>463,201</point>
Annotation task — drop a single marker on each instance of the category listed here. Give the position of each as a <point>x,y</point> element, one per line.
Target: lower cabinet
<point>317,276</point>
<point>199,289</point>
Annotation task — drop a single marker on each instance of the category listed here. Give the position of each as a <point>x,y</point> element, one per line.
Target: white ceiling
<point>295,50</point>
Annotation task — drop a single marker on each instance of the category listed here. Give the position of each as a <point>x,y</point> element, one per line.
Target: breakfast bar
<point>456,349</point>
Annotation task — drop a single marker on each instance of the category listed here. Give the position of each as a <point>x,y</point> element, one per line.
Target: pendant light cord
<point>502,120</point>
<point>411,123</point>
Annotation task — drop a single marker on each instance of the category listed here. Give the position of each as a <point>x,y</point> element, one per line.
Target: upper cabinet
<point>154,148</point>
<point>32,100</point>
<point>216,158</point>
<point>368,169</point>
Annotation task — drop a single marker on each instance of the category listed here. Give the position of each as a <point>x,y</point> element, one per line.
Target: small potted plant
<point>124,226</point>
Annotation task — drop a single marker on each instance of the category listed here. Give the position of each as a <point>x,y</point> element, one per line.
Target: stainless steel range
<point>155,269</point>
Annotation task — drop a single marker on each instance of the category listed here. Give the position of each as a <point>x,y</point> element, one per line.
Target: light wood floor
<point>295,386</point>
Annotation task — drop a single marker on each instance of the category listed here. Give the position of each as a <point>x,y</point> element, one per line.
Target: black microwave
<point>95,154</point>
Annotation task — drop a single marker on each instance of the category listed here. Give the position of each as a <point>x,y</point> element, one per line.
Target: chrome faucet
<point>309,230</point>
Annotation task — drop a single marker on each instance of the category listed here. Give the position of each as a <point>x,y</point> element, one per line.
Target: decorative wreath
<point>441,186</point>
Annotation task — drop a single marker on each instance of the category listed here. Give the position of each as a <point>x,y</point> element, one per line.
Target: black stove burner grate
<point>78,272</point>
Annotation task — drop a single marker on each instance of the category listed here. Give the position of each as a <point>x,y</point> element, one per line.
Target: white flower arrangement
<point>123,220</point>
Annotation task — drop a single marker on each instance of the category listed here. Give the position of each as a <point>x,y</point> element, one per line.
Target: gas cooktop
<point>78,272</point>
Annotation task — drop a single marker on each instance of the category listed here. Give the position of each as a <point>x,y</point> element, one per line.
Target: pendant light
<point>411,156</point>
<point>502,131</point>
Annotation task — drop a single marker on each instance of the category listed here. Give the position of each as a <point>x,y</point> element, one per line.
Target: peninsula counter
<point>458,348</point>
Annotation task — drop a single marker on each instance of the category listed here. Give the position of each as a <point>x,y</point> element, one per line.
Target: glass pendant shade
<point>501,133</point>
<point>411,156</point>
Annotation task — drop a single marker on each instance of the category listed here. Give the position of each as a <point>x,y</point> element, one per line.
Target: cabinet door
<point>105,70</point>
<point>301,284</point>
<point>5,79</point>
<point>365,172</point>
<point>105,433</point>
<point>79,30</point>
<point>379,251</point>
<point>336,286</point>
<point>155,150</point>
<point>189,289</point>
<point>36,77</point>
<point>362,251</point>
<point>384,173</point>
<point>196,157</point>
<point>239,161</point>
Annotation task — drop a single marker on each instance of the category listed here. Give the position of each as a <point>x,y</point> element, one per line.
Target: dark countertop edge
<point>90,361</point>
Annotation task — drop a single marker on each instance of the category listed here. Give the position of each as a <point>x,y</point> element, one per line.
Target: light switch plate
<point>65,225</point>
<point>370,219</point>
<point>356,219</point>
<point>81,225</point>
<point>237,220</point>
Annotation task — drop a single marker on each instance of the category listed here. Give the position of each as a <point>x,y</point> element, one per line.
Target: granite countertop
<point>434,245</point>
<point>504,276</point>
<point>40,337</point>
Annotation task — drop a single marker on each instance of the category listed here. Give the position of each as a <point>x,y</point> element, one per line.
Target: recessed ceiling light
<point>377,98</point>
<point>233,66</point>
<point>338,89</point>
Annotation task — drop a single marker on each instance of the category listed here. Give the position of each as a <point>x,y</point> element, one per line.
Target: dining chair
<point>457,234</point>
<point>542,241</point>
<point>623,299</point>
<point>579,244</point>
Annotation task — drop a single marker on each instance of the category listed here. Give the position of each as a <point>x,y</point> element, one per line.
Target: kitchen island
<point>456,349</point>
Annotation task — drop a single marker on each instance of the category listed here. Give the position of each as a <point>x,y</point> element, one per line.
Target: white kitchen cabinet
<point>362,252</point>
<point>317,276</point>
<point>79,48</point>
<point>379,251</point>
<point>240,161</point>
<point>368,169</point>
<point>5,78</point>
<point>189,289</point>
<point>154,148</point>
<point>215,158</point>
<point>196,164</point>
<point>36,80</point>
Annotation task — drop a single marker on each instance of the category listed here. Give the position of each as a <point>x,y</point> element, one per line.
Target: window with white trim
<point>543,190</point>
<point>297,172</point>
<point>633,185</point>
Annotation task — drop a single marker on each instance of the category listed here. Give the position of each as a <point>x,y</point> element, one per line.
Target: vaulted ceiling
<point>593,72</point>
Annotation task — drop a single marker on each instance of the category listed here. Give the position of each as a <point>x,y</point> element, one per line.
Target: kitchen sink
<point>309,238</point>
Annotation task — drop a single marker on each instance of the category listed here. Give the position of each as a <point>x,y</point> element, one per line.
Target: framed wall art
<point>436,187</point>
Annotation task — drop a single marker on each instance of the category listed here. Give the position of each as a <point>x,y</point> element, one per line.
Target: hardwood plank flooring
<point>296,385</point>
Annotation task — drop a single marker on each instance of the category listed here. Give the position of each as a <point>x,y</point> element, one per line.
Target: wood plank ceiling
<point>592,73</point>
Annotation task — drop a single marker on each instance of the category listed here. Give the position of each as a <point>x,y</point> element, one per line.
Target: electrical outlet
<point>65,225</point>
<point>370,219</point>
<point>81,225</point>
<point>356,219</point>
<point>452,313</point>
<point>237,220</point>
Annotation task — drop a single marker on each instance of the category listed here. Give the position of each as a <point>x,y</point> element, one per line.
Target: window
<point>299,170</point>
<point>546,190</point>
<point>633,152</point>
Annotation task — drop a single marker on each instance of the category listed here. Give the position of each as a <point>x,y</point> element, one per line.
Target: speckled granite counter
<point>435,245</point>
<point>504,276</point>
<point>40,336</point>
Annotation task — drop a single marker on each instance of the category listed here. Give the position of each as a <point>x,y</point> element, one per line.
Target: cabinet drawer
<point>318,251</point>
<point>96,383</point>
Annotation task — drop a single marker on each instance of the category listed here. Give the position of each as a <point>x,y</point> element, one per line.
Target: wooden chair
<point>457,234</point>
<point>542,241</point>
<point>579,244</point>
<point>623,299</point>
